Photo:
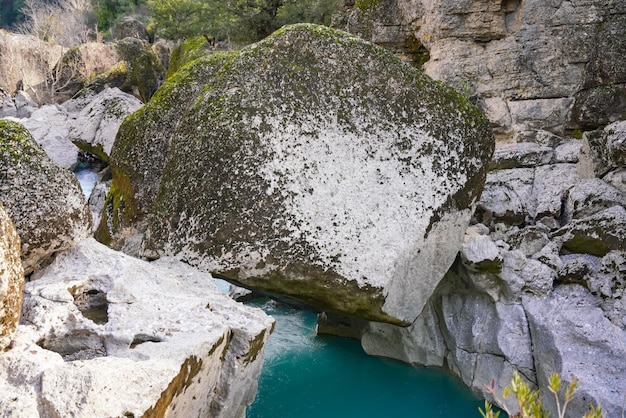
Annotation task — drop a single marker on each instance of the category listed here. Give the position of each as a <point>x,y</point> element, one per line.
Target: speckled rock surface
<point>290,170</point>
<point>105,334</point>
<point>11,279</point>
<point>44,201</point>
<point>49,126</point>
<point>96,126</point>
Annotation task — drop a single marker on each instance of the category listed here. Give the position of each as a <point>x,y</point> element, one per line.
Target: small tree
<point>529,401</point>
<point>65,22</point>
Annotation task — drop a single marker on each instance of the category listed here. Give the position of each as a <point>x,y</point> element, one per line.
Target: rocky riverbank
<point>318,167</point>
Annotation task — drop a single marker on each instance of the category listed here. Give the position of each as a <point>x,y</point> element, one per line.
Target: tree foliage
<point>237,20</point>
<point>109,12</point>
<point>10,12</point>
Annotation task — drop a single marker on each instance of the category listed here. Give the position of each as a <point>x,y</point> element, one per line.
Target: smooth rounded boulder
<point>312,164</point>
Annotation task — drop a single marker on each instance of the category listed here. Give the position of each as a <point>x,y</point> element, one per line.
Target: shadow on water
<point>305,375</point>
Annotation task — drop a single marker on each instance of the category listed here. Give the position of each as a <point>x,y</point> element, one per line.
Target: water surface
<point>305,375</point>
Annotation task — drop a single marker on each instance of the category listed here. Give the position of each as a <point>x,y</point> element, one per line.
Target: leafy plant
<point>530,402</point>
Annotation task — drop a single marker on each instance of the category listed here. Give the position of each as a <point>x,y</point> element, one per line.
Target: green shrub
<point>529,401</point>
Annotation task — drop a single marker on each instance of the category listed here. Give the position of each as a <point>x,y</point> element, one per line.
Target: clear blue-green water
<point>305,375</point>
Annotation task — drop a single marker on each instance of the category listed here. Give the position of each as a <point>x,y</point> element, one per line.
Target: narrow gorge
<point>442,182</point>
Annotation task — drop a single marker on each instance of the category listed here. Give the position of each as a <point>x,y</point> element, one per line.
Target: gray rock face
<point>531,65</point>
<point>603,151</point>
<point>572,337</point>
<point>44,201</point>
<point>105,334</point>
<point>11,279</point>
<point>538,288</point>
<point>524,154</point>
<point>590,196</point>
<point>596,234</point>
<point>287,178</point>
<point>96,126</point>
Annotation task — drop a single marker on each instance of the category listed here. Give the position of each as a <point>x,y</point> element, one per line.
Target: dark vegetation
<point>239,21</point>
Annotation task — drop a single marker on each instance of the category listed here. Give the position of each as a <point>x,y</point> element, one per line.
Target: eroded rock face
<point>530,65</point>
<point>111,335</point>
<point>537,288</point>
<point>11,279</point>
<point>44,201</point>
<point>286,171</point>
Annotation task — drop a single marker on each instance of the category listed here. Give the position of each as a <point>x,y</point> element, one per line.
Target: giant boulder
<point>44,200</point>
<point>312,164</point>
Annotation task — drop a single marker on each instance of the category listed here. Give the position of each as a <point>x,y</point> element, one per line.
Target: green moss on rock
<point>206,162</point>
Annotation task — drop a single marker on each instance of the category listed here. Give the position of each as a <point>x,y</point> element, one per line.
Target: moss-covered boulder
<point>11,279</point>
<point>312,164</point>
<point>44,200</point>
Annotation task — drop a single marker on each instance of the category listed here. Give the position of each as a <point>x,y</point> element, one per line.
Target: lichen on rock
<point>44,200</point>
<point>312,159</point>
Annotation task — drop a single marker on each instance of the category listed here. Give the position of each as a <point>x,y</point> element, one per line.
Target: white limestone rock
<point>572,337</point>
<point>568,151</point>
<point>96,126</point>
<point>44,200</point>
<point>11,279</point>
<point>596,234</point>
<point>480,253</point>
<point>590,196</point>
<point>506,196</point>
<point>105,334</point>
<point>549,189</point>
<point>350,191</point>
<point>523,154</point>
<point>603,151</point>
<point>49,126</point>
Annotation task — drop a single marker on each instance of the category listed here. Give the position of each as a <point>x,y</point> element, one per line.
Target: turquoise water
<point>326,377</point>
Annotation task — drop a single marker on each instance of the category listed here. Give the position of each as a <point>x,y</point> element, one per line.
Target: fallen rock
<point>11,280</point>
<point>567,151</point>
<point>105,334</point>
<point>596,234</point>
<point>129,27</point>
<point>506,196</point>
<point>350,196</point>
<point>549,190</point>
<point>590,196</point>
<point>572,337</point>
<point>44,201</point>
<point>603,151</point>
<point>49,127</point>
<point>96,126</point>
<point>523,154</point>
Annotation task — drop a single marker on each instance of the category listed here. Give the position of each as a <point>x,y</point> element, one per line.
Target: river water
<point>309,376</point>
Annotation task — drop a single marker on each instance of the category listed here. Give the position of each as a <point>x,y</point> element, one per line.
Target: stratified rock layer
<point>11,279</point>
<point>44,201</point>
<point>312,164</point>
<point>551,65</point>
<point>108,335</point>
